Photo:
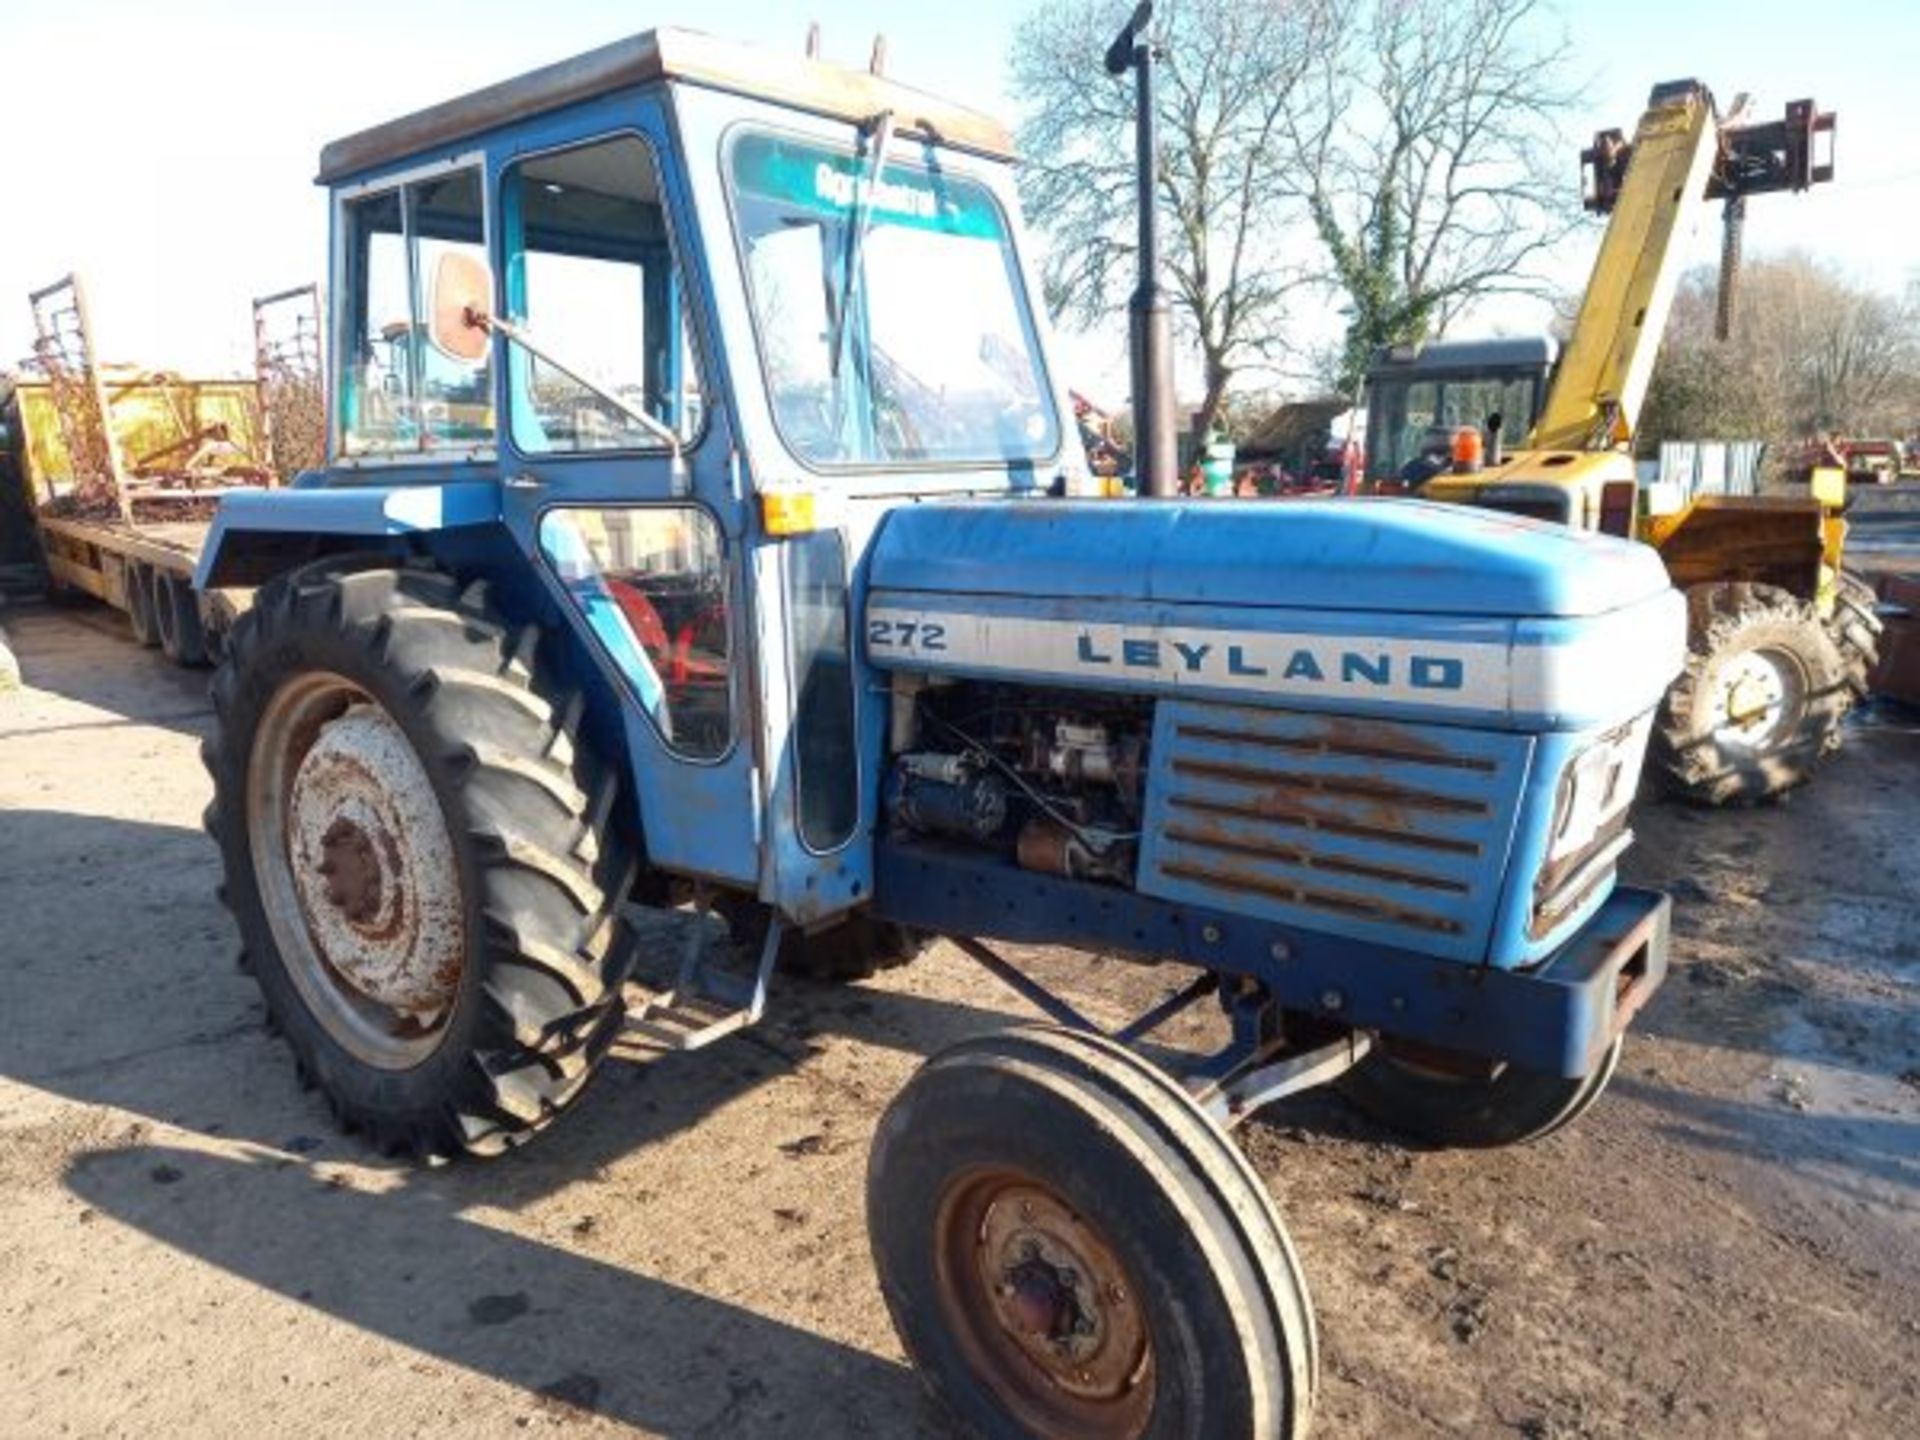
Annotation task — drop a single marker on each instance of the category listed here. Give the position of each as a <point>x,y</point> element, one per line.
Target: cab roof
<point>1470,357</point>
<point>686,56</point>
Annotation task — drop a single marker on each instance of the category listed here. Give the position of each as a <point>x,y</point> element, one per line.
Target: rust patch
<point>352,871</point>
<point>1363,907</point>
<point>1292,786</point>
<point>1307,859</point>
<point>1342,735</point>
<point>1310,818</point>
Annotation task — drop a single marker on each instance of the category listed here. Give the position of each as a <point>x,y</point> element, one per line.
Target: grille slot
<point>1381,830</point>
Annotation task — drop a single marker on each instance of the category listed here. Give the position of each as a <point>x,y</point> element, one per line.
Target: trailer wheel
<point>176,613</point>
<point>1855,626</point>
<point>421,854</point>
<point>1439,1107</point>
<point>1068,1247</point>
<point>142,613</point>
<point>1760,702</point>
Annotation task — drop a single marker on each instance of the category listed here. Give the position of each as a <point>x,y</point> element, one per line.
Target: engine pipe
<point>1149,313</point>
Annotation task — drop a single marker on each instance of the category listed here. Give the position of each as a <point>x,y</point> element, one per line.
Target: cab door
<point>632,518</point>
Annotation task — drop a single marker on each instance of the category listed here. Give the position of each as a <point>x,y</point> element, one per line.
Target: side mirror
<point>458,302</point>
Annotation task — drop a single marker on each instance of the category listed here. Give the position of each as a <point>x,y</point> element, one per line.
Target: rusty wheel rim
<point>356,870</point>
<point>1042,1307</point>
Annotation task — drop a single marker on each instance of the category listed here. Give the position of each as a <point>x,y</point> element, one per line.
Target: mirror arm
<point>484,320</point>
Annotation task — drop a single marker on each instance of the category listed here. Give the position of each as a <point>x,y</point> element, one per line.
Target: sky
<point>166,152</point>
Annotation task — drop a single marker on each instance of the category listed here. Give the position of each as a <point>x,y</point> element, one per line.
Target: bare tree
<point>1434,163</point>
<point>1811,351</point>
<point>1232,73</point>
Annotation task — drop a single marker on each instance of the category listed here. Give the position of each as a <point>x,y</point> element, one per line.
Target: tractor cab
<point>682,319</point>
<point>1420,396</point>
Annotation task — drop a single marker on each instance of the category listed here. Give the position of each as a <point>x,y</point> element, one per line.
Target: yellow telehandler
<point>1781,640</point>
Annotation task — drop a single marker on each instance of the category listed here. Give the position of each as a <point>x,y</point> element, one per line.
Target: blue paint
<point>1388,557</point>
<point>1374,670</point>
<point>361,510</point>
<point>1558,1018</point>
<point>1428,673</point>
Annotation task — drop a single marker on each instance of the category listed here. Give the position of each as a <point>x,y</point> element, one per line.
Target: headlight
<point>1596,787</point>
<point>1589,821</point>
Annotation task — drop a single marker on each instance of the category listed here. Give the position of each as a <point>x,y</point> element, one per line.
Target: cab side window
<point>590,274</point>
<point>400,393</point>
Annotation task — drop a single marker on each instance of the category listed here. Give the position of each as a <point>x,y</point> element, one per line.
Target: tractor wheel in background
<point>142,614</point>
<point>1068,1247</point>
<point>853,949</point>
<point>1441,1107</point>
<point>1855,626</point>
<point>1760,702</point>
<point>176,614</point>
<point>421,855</point>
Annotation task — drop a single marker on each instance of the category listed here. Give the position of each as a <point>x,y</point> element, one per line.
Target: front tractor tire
<point>1454,1109</point>
<point>420,854</point>
<point>1069,1247</point>
<point>1760,702</point>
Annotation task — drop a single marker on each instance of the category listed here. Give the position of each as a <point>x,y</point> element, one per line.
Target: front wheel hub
<point>1045,1307</point>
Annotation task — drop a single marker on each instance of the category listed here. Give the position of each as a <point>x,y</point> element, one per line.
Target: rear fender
<point>257,534</point>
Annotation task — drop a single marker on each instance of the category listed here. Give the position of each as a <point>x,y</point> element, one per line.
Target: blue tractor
<point>719,549</point>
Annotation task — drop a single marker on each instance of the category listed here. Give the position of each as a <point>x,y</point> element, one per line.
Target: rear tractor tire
<point>421,855</point>
<point>1068,1247</point>
<point>1444,1108</point>
<point>1856,627</point>
<point>1760,702</point>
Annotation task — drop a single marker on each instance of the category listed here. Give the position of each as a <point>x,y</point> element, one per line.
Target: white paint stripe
<point>1613,667</point>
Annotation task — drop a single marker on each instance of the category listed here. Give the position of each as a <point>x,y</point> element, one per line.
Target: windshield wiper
<point>857,234</point>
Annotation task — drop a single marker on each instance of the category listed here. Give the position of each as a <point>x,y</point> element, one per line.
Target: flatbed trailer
<point>101,556</point>
<point>143,565</point>
<point>117,470</point>
<point>145,570</point>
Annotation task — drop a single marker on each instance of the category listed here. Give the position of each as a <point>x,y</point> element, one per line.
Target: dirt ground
<point>1729,1245</point>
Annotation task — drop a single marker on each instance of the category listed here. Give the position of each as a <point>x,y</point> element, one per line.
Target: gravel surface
<point>1726,1245</point>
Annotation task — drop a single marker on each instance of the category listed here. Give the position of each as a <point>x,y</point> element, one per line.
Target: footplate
<point>705,1004</point>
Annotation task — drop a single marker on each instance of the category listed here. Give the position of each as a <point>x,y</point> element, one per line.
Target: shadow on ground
<point>84,652</point>
<point>407,1267</point>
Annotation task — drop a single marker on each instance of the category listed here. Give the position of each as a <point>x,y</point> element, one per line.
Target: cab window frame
<point>344,317</point>
<point>690,311</point>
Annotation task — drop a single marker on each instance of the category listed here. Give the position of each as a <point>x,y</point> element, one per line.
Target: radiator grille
<point>1382,830</point>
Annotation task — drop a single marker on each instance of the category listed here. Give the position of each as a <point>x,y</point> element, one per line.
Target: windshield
<point>1407,417</point>
<point>938,362</point>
